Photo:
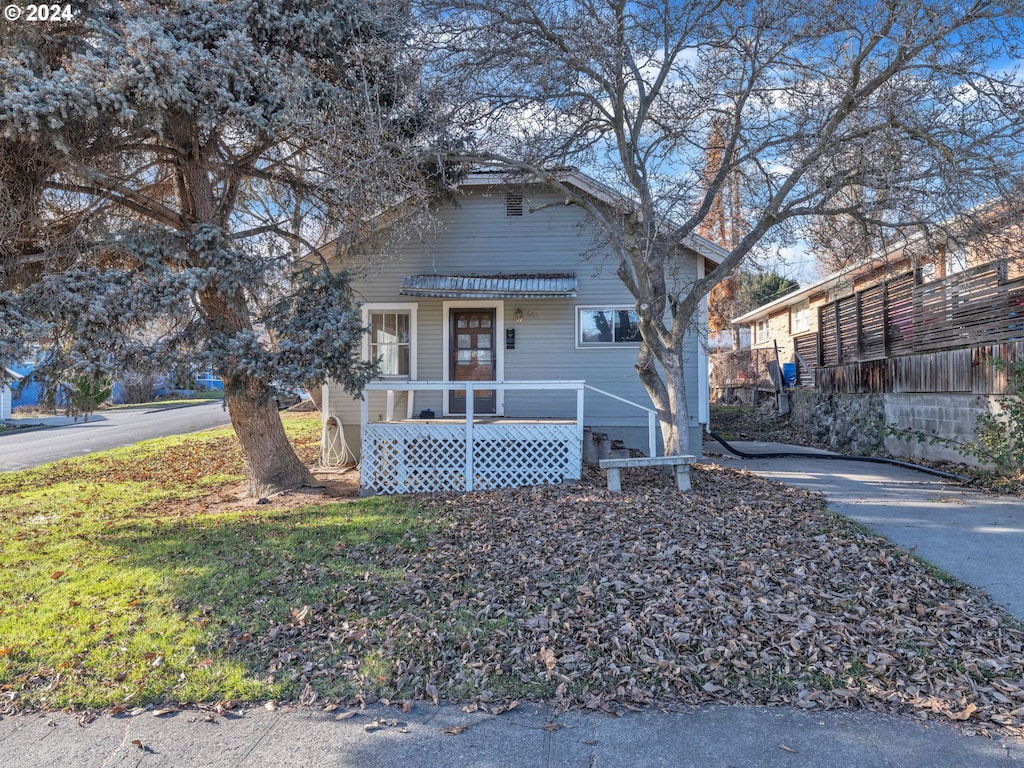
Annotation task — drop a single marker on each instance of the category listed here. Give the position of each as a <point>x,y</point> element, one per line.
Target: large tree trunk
<point>270,461</point>
<point>668,395</point>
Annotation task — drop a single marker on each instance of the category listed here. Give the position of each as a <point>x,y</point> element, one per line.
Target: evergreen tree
<point>162,165</point>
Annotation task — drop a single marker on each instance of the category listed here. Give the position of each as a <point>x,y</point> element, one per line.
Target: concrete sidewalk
<point>45,422</point>
<point>976,537</point>
<point>528,737</point>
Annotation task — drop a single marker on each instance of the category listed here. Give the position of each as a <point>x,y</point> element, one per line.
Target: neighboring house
<point>6,400</point>
<point>26,394</point>
<point>509,309</point>
<point>719,341</point>
<point>916,324</point>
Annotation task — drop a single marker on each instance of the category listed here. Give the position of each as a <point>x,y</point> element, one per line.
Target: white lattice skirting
<point>417,458</point>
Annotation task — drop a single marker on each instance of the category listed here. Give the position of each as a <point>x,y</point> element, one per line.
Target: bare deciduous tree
<point>820,107</point>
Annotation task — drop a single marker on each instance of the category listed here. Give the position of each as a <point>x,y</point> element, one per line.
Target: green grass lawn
<point>115,590</point>
<point>195,398</point>
<point>135,577</point>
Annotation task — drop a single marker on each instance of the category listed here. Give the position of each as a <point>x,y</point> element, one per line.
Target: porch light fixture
<point>519,315</point>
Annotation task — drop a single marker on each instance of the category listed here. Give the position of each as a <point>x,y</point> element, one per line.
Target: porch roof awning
<point>535,286</point>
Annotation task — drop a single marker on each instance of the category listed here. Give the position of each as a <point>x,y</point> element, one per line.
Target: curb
<point>33,428</point>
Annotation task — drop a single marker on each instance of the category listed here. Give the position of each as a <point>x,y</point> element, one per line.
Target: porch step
<point>614,469</point>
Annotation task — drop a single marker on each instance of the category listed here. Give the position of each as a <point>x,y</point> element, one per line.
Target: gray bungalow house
<point>504,337</point>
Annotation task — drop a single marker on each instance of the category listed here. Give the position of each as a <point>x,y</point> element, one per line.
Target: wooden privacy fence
<point>968,370</point>
<point>901,316</point>
<point>939,336</point>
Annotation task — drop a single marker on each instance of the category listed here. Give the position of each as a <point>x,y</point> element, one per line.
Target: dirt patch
<point>333,485</point>
<point>762,423</point>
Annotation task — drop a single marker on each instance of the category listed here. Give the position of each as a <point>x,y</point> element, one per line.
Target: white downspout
<point>703,383</point>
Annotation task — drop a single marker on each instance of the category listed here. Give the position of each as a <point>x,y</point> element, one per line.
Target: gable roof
<point>708,250</point>
<point>573,177</point>
<point>836,279</point>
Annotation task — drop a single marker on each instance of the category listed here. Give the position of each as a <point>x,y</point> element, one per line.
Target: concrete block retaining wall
<point>951,416</point>
<point>857,423</point>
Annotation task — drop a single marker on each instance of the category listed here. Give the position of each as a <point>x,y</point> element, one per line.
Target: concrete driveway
<point>975,536</point>
<point>61,439</point>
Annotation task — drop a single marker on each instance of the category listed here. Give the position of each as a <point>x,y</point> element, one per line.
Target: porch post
<point>367,470</point>
<point>579,415</point>
<point>469,435</point>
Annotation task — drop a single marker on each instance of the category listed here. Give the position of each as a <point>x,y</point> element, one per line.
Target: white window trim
<point>758,339</point>
<point>793,313</point>
<point>411,308</point>
<point>578,308</point>
<point>499,345</point>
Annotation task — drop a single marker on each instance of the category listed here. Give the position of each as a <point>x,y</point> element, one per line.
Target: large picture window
<point>391,340</point>
<point>604,326</point>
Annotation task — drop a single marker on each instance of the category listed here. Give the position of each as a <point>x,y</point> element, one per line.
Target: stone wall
<point>857,423</point>
<point>845,423</point>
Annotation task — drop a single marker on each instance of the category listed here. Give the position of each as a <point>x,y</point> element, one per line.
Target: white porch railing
<point>652,418</point>
<point>466,454</point>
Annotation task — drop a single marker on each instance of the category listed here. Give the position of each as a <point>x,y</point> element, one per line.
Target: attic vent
<point>513,205</point>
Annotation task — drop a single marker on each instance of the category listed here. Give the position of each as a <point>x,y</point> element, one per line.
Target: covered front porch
<point>472,452</point>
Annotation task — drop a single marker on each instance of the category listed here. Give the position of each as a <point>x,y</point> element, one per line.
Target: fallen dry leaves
<point>743,591</point>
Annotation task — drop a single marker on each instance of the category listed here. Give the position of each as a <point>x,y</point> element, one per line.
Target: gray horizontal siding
<point>476,237</point>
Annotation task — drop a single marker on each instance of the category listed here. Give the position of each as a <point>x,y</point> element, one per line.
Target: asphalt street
<point>23,448</point>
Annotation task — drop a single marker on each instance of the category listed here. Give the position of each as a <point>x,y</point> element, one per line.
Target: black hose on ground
<point>843,457</point>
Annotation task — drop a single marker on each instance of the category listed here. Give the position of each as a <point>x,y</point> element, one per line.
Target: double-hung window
<point>762,331</point>
<point>800,318</point>
<point>391,340</point>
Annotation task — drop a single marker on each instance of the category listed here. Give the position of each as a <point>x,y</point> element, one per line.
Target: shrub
<point>1000,434</point>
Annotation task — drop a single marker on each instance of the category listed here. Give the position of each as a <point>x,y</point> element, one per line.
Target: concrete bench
<point>614,469</point>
